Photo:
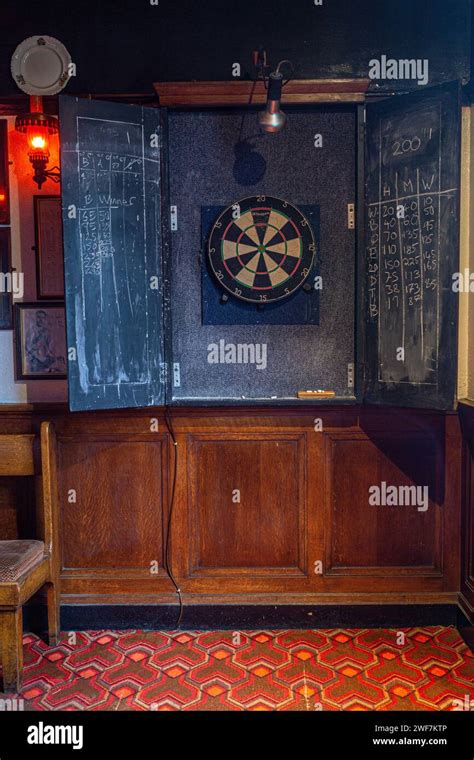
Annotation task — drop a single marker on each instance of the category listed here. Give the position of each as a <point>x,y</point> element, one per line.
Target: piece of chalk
<point>316,394</point>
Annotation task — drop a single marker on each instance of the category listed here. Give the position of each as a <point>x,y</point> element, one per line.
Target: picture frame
<point>48,247</point>
<point>6,297</point>
<point>40,341</point>
<point>4,180</point>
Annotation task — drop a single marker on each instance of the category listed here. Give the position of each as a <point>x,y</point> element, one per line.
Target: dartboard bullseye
<point>261,249</point>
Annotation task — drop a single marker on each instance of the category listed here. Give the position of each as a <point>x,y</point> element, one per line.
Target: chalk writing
<point>112,177</point>
<point>404,213</point>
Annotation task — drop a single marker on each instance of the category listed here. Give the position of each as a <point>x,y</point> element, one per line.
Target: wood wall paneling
<point>17,519</point>
<point>114,531</point>
<point>247,504</point>
<point>296,500</point>
<point>467,528</point>
<point>304,499</point>
<point>374,540</point>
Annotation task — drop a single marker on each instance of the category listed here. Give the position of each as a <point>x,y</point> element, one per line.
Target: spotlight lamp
<point>273,119</point>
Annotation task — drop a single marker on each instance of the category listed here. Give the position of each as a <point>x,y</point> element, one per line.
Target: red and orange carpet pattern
<point>364,669</point>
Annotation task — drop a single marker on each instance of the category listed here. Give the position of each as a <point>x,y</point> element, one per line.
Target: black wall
<point>123,46</point>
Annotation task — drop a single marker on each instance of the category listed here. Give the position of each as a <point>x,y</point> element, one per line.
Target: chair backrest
<point>28,454</point>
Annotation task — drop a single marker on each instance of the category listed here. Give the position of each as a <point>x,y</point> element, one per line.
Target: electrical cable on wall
<point>167,564</point>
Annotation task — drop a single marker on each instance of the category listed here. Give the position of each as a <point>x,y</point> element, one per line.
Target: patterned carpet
<point>369,669</point>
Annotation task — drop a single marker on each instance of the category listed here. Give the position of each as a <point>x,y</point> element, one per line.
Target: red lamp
<point>38,128</point>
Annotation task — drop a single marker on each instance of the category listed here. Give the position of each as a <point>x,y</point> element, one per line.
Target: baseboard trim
<point>467,608</point>
<point>256,616</point>
<point>250,599</point>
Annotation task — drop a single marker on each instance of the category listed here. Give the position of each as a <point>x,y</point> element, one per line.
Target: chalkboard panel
<point>412,248</point>
<point>111,183</point>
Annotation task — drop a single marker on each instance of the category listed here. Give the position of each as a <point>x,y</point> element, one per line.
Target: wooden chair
<point>27,565</point>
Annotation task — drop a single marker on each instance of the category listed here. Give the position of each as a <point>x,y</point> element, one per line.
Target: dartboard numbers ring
<point>261,249</point>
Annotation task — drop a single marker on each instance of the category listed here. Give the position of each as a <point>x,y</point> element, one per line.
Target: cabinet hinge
<point>351,216</point>
<point>176,375</point>
<point>173,218</point>
<point>350,375</point>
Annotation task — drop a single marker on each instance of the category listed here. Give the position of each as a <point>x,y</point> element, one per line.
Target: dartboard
<point>261,249</point>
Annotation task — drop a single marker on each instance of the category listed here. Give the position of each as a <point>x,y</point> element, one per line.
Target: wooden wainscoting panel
<point>304,499</point>
<point>17,508</point>
<point>365,539</point>
<point>468,525</point>
<point>9,504</point>
<point>115,528</point>
<point>466,412</point>
<point>246,508</point>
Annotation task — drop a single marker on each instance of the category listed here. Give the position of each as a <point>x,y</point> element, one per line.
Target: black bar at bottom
<point>373,735</point>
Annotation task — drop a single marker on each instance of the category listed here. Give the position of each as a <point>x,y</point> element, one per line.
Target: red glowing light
<point>38,127</point>
<point>37,139</point>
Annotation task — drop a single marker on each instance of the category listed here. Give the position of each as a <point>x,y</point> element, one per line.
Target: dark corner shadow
<point>415,441</point>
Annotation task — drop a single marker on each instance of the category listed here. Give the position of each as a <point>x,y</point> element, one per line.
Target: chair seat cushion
<point>16,557</point>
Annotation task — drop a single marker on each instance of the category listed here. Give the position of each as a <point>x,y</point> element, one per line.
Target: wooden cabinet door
<point>111,187</point>
<point>412,182</point>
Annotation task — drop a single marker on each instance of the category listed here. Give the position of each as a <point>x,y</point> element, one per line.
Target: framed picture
<point>40,341</point>
<point>49,247</point>
<point>6,300</point>
<point>4,189</point>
